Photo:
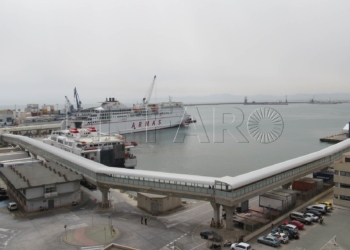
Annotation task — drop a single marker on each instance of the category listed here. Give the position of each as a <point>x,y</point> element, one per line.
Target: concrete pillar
<point>229,217</point>
<point>244,206</point>
<point>287,185</point>
<point>216,216</point>
<point>105,201</point>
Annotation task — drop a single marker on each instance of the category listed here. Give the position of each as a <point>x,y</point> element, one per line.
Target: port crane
<point>77,99</point>
<point>70,106</point>
<point>149,92</point>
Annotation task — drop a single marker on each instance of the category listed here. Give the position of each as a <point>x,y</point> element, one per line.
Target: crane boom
<point>77,99</point>
<point>149,92</point>
<point>70,106</point>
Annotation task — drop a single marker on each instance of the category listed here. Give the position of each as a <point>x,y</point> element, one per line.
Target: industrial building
<point>155,204</point>
<point>39,185</point>
<point>342,181</point>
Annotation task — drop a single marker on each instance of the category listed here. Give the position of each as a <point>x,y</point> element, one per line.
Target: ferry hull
<point>134,125</point>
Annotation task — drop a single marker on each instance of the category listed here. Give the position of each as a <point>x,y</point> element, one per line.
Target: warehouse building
<point>46,185</point>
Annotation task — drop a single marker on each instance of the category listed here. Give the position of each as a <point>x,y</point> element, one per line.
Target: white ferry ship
<point>110,150</point>
<point>115,117</point>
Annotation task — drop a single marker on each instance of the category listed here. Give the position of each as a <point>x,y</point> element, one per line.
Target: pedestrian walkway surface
<point>90,236</point>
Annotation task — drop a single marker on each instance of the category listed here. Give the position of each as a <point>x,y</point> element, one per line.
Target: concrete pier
<point>335,138</point>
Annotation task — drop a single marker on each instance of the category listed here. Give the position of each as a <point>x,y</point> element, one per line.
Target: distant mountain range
<point>215,98</point>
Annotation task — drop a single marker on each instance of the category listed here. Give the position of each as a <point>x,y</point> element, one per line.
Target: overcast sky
<point>114,48</point>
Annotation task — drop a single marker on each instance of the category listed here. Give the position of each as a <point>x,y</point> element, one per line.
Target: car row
<point>290,229</point>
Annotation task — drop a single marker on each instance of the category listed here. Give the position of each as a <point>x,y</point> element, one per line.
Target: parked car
<point>279,230</point>
<point>212,235</point>
<point>12,206</point>
<point>328,204</point>
<point>320,207</point>
<point>293,233</point>
<point>3,197</point>
<point>283,237</point>
<point>3,191</point>
<point>300,217</point>
<point>241,246</point>
<point>269,240</point>
<point>314,212</point>
<point>312,216</point>
<point>296,223</point>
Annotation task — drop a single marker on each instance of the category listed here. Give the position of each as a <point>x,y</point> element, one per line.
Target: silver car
<point>312,216</point>
<point>269,240</point>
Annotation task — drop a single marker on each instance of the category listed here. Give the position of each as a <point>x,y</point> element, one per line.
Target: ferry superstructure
<point>109,150</point>
<point>115,117</point>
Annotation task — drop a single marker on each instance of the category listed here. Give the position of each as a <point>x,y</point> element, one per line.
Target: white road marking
<point>77,226</point>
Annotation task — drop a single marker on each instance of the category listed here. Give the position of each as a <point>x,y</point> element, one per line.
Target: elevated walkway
<point>226,191</point>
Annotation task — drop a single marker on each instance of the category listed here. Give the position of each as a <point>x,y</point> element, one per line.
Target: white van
<point>12,206</point>
<point>319,207</point>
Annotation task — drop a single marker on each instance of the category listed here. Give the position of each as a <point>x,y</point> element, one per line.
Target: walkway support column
<point>216,216</point>
<point>229,217</point>
<point>105,201</point>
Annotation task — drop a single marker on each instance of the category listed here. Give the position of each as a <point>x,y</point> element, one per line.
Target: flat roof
<point>38,175</point>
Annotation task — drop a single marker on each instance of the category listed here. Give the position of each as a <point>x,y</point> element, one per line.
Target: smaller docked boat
<point>110,150</point>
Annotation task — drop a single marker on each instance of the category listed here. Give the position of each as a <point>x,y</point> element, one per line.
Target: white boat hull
<point>135,124</point>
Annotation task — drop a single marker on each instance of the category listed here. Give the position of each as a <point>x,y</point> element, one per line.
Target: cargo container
<point>271,202</point>
<point>14,155</point>
<point>288,191</point>
<point>319,182</point>
<point>303,185</point>
<point>324,176</point>
<point>289,198</point>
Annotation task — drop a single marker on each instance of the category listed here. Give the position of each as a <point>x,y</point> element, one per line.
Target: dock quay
<point>335,138</point>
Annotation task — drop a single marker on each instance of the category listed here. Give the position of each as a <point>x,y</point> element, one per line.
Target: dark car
<point>314,212</point>
<point>269,240</point>
<point>292,233</point>
<point>3,197</point>
<point>209,234</point>
<point>3,192</point>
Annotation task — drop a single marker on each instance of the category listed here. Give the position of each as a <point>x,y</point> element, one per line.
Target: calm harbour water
<point>304,125</point>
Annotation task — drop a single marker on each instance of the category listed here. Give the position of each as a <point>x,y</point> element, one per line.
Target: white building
<point>6,116</point>
<point>342,181</point>
<point>42,185</point>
